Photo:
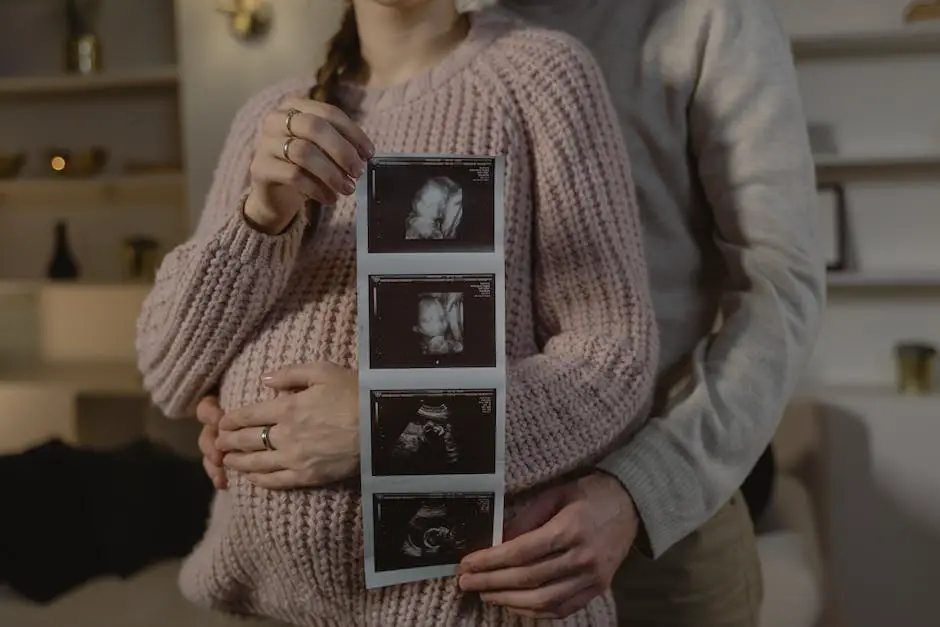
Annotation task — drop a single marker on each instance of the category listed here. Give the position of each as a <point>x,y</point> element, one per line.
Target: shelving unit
<point>915,279</point>
<point>875,91</point>
<point>883,394</point>
<point>65,340</point>
<point>168,189</point>
<point>884,161</point>
<point>142,79</point>
<point>100,379</point>
<point>923,39</point>
<point>29,286</point>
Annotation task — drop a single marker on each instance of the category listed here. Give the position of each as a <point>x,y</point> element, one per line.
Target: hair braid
<point>343,57</point>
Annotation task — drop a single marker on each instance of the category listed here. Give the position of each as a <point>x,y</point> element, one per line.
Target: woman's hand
<point>305,149</point>
<point>210,414</point>
<point>313,434</point>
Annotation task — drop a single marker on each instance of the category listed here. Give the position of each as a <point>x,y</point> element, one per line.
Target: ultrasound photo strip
<point>431,204</point>
<point>418,532</point>
<point>432,432</point>
<point>432,321</point>
<point>432,362</point>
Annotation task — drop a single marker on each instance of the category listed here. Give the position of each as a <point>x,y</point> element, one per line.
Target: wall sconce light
<point>922,11</point>
<point>248,19</point>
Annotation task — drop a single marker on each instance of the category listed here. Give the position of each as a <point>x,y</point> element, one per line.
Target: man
<point>710,108</point>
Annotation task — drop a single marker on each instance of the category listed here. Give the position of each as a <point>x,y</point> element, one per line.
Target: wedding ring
<point>287,121</point>
<point>266,438</point>
<point>285,151</point>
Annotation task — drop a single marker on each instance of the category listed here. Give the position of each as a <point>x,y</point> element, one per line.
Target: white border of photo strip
<point>436,264</point>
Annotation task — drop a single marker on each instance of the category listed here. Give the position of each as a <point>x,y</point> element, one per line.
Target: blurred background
<point>112,114</point>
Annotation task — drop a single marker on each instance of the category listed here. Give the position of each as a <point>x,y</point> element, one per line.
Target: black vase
<point>63,266</point>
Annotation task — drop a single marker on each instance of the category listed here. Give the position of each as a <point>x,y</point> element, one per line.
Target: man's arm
<point>749,138</point>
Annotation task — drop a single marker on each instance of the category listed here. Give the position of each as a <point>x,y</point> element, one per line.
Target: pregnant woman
<point>266,283</point>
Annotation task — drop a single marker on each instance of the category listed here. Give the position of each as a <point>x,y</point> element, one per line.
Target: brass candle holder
<point>915,367</point>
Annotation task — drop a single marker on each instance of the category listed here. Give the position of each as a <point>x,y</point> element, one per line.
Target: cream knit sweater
<point>232,303</point>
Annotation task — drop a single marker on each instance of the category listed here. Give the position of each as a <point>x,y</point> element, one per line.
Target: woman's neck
<point>399,44</point>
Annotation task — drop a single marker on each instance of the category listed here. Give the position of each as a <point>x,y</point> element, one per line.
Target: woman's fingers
<point>207,444</point>
<point>277,480</point>
<point>246,440</point>
<point>337,119</point>
<point>313,161</point>
<point>321,134</point>
<point>216,474</point>
<point>208,411</point>
<point>259,462</point>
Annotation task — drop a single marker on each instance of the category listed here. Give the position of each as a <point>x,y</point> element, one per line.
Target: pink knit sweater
<point>232,303</point>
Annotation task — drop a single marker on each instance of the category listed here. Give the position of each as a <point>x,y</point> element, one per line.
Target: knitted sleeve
<point>575,400</point>
<point>212,291</point>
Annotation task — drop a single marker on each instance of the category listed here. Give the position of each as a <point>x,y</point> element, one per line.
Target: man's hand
<point>209,414</point>
<point>560,552</point>
<point>312,429</point>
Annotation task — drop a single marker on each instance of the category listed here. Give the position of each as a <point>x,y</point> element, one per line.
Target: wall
<point>883,479</point>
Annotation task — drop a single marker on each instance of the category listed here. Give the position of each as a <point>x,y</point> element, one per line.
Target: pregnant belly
<point>281,554</point>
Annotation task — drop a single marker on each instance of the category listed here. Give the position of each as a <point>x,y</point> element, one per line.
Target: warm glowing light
<point>57,163</point>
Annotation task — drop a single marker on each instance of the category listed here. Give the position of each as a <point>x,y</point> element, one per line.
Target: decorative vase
<point>83,48</point>
<point>62,266</point>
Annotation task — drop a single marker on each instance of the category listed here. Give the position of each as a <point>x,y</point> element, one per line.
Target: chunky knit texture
<point>233,303</point>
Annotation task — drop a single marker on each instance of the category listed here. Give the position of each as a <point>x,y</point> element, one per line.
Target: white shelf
<point>882,395</point>
<point>78,378</point>
<point>894,279</point>
<point>150,78</point>
<point>163,188</point>
<point>920,39</point>
<point>9,287</point>
<point>912,160</point>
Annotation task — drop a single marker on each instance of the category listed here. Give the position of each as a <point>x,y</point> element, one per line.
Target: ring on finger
<point>288,119</point>
<point>285,151</point>
<point>266,438</point>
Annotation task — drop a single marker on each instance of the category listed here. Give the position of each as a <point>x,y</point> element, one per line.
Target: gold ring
<point>286,150</point>
<point>266,438</point>
<point>290,117</point>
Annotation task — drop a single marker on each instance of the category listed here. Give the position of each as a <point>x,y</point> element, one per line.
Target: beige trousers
<point>711,578</point>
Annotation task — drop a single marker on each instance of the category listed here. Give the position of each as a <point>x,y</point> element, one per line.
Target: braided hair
<point>343,57</point>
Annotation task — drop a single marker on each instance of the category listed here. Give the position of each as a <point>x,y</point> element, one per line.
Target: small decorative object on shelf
<point>63,266</point>
<point>11,164</point>
<point>915,365</point>
<point>88,162</point>
<point>922,11</point>
<point>141,258</point>
<point>822,139</point>
<point>83,46</point>
<point>833,225</point>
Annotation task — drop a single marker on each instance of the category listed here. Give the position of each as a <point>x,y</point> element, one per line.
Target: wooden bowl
<point>88,162</point>
<point>11,164</point>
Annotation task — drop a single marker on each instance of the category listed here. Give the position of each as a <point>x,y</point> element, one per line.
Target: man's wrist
<point>641,541</point>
